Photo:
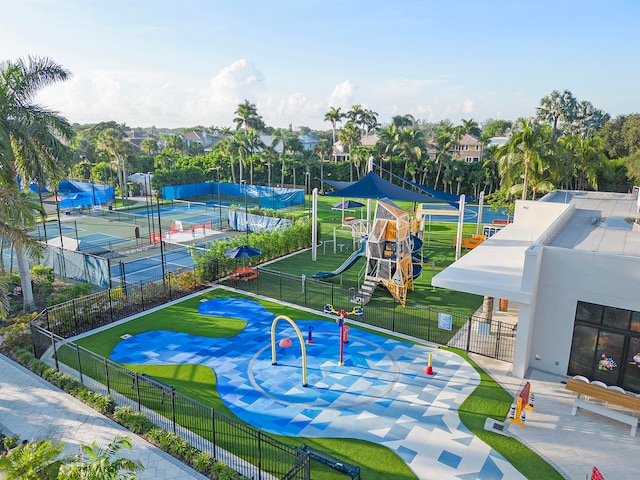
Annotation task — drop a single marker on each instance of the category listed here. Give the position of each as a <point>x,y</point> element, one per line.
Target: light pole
<point>307,185</point>
<point>246,213</point>
<point>219,200</point>
<point>269,175</point>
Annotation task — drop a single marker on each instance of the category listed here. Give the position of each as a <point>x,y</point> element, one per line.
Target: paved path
<point>35,410</point>
<point>574,444</point>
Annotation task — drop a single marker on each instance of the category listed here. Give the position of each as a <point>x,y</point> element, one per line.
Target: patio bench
<point>332,462</point>
<point>609,398</point>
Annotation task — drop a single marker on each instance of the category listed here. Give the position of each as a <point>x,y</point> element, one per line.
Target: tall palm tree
<point>410,146</point>
<point>33,140</point>
<point>471,127</point>
<point>323,150</point>
<point>334,115</point>
<point>586,157</point>
<point>369,120</point>
<point>247,117</point>
<point>445,139</point>
<point>252,143</point>
<point>284,137</point>
<point>530,147</point>
<point>557,107</point>
<point>388,143</point>
<point>355,115</point>
<point>112,141</point>
<point>350,137</point>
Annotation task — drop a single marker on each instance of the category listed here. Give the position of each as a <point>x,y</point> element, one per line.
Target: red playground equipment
<point>344,330</point>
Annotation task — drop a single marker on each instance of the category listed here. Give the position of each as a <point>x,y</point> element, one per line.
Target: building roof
<point>588,221</point>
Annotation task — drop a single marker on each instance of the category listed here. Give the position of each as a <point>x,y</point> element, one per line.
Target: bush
<point>202,462</point>
<point>69,293</point>
<point>17,335</point>
<point>134,421</point>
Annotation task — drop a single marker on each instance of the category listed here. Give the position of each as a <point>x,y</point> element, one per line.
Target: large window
<point>606,345</point>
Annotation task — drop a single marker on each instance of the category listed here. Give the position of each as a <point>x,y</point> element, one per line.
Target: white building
<point>571,264</point>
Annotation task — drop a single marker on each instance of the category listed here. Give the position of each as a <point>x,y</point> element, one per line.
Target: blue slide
<point>348,263</point>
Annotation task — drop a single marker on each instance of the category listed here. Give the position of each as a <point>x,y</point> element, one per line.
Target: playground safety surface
<point>380,394</point>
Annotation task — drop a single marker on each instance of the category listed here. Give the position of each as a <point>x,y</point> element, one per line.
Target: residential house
<point>468,149</point>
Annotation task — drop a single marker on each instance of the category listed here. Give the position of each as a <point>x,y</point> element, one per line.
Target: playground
<point>381,394</point>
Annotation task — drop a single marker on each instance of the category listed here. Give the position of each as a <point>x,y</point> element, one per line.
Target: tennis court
<point>102,239</point>
<point>150,268</point>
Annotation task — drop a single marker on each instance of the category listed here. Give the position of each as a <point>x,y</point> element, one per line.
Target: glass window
<point>589,312</point>
<point>616,317</point>
<point>609,357</point>
<point>635,322</point>
<point>583,350</point>
<point>631,378</point>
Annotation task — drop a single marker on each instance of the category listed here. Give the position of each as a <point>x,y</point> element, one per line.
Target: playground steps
<point>365,292</point>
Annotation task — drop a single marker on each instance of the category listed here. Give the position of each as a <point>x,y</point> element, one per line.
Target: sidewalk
<point>573,444</point>
<point>35,410</point>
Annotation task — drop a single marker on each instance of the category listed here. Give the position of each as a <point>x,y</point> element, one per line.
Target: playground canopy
<point>374,186</point>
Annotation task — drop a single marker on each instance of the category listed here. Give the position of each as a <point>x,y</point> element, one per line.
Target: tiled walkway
<point>381,394</point>
<point>35,410</point>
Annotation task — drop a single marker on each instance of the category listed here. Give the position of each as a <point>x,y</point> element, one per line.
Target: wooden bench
<point>332,462</point>
<point>609,397</point>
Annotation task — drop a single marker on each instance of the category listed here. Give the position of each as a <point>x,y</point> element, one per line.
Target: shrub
<point>134,421</point>
<point>16,335</point>
<point>69,293</point>
<point>202,462</point>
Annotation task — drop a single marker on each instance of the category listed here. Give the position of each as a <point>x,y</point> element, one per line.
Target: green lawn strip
<point>489,399</point>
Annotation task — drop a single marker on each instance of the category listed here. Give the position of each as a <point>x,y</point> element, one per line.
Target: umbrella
<point>243,251</point>
<point>345,204</point>
<point>348,204</point>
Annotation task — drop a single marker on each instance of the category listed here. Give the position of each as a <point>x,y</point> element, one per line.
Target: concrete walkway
<point>35,410</point>
<point>573,444</point>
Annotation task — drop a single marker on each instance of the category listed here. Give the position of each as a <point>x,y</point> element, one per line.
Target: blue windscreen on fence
<point>269,197</point>
<point>73,194</point>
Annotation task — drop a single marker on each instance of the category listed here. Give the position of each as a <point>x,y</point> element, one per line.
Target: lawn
<point>377,462</point>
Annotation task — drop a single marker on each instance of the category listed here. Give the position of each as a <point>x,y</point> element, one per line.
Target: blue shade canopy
<point>348,204</point>
<point>335,183</point>
<point>243,251</point>
<point>374,186</point>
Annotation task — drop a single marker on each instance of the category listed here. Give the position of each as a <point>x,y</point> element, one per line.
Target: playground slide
<point>348,263</point>
<point>415,251</point>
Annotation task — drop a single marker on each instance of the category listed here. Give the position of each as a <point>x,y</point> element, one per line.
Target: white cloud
<point>467,105</point>
<point>342,95</point>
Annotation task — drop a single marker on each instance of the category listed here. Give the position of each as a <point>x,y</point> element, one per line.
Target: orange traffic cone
<point>429,369</point>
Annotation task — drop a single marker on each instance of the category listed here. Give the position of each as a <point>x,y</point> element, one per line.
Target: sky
<point>183,63</point>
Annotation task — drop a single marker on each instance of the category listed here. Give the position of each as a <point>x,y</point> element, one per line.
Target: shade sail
<point>374,186</point>
<point>335,183</point>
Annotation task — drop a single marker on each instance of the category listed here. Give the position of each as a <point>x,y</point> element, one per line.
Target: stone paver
<point>36,410</point>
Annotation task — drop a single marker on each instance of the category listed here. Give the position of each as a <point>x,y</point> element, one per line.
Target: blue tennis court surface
<point>470,214</point>
<point>149,269</point>
<point>54,230</point>
<point>102,239</point>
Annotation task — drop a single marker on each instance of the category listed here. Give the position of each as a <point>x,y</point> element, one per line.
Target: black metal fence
<point>87,313</point>
<point>242,447</point>
<point>471,333</point>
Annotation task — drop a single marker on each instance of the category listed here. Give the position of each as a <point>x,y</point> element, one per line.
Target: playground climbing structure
<point>389,253</point>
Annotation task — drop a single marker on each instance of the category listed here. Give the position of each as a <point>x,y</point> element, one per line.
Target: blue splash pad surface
<point>380,394</point>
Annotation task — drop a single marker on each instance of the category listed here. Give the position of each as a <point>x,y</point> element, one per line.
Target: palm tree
<point>445,139</point>
<point>369,120</point>
<point>557,107</point>
<point>33,140</point>
<point>334,115</point>
<point>252,143</point>
<point>410,146</point>
<point>283,136</point>
<point>586,158</point>
<point>471,127</point>
<point>355,115</point>
<point>388,143</point>
<point>350,137</point>
<point>112,141</point>
<point>323,150</point>
<point>247,117</point>
<point>100,463</point>
<point>149,146</point>
<point>530,147</point>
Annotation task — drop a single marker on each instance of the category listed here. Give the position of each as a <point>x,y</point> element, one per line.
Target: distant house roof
<point>468,140</point>
<point>497,141</point>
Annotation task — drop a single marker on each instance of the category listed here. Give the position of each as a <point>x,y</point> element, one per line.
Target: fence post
<point>47,316</point>
<point>110,306</point>
<point>332,301</point>
<point>141,296</point>
<point>469,333</point>
<point>106,375</point>
<point>393,319</point>
<point>173,409</point>
<point>169,282</point>
<point>429,324</point>
<point>79,364</point>
<point>135,379</point>
<point>75,319</point>
<point>213,433</point>
<point>259,456</point>
<point>280,280</point>
<point>55,352</point>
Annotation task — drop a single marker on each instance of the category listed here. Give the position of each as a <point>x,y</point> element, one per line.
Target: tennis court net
<point>191,205</point>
